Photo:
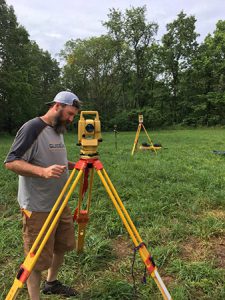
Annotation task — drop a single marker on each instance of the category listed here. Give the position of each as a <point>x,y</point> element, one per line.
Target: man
<point>38,155</point>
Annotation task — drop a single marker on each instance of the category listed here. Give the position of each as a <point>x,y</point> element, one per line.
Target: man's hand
<point>24,168</point>
<point>54,171</point>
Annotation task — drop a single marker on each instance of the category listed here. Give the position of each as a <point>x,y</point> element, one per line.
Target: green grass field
<point>176,200</point>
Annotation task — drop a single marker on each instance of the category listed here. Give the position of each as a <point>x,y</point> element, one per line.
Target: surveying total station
<point>89,136</point>
<point>144,146</point>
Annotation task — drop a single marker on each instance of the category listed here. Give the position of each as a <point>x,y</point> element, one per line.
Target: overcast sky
<point>51,23</point>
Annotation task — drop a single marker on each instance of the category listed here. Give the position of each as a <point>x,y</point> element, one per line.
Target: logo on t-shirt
<point>56,146</point>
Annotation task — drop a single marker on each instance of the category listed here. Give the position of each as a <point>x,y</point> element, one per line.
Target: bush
<point>128,120</point>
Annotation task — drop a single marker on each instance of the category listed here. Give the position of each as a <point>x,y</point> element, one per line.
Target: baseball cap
<point>66,97</point>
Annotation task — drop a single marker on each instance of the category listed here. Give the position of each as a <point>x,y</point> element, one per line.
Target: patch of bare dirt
<point>167,279</point>
<point>195,249</point>
<point>220,214</point>
<point>217,249</point>
<point>123,250</point>
<point>122,247</point>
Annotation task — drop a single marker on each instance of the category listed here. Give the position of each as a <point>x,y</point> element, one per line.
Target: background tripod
<point>88,163</point>
<point>146,147</point>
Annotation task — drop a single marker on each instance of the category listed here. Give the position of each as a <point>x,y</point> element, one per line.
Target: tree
<point>27,74</point>
<point>90,71</point>
<point>179,46</point>
<point>132,35</point>
<point>208,107</point>
<point>13,41</point>
<point>115,26</point>
<point>139,35</point>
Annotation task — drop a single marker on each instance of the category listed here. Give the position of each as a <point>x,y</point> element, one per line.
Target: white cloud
<point>53,35</point>
<point>52,23</point>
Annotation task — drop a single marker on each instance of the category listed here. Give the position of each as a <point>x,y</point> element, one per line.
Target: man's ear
<point>57,106</point>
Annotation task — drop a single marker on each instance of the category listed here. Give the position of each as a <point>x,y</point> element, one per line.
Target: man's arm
<point>24,168</point>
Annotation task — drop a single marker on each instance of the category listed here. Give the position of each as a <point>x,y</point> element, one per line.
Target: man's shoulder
<point>33,127</point>
<point>25,138</point>
<point>35,123</point>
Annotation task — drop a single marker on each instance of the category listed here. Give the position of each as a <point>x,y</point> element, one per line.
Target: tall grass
<point>176,200</point>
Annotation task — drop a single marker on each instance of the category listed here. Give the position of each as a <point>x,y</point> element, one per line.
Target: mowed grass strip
<point>176,200</point>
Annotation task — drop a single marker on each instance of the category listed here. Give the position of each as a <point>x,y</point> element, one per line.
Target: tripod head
<point>89,133</point>
<point>115,129</point>
<point>140,118</point>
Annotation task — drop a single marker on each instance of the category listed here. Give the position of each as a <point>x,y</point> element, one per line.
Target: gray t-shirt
<point>37,143</point>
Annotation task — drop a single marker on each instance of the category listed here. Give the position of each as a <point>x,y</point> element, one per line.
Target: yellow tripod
<point>135,146</point>
<point>89,162</point>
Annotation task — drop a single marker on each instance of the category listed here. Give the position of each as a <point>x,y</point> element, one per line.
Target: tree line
<point>127,71</point>
<point>28,75</point>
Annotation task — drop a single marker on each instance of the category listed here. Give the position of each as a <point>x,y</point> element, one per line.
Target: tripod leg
<point>82,216</point>
<point>150,141</point>
<point>109,182</point>
<point>145,255</point>
<point>32,257</point>
<point>136,139</point>
<point>90,190</point>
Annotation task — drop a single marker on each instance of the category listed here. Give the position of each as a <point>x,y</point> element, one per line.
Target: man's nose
<point>71,119</point>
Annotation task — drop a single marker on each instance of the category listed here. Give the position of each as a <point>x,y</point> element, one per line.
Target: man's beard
<point>59,124</point>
